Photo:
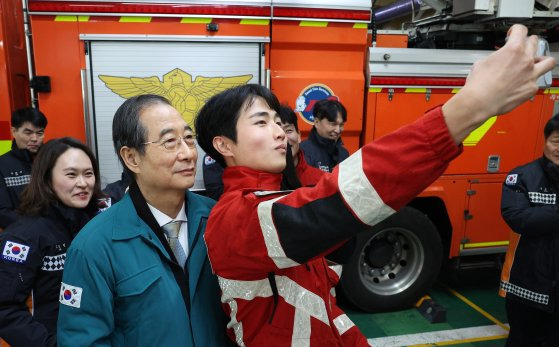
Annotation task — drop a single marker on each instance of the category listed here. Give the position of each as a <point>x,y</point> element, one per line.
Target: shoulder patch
<point>70,295</point>
<point>511,179</point>
<point>15,252</point>
<point>53,262</point>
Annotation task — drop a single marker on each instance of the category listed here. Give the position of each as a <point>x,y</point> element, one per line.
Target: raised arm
<point>497,84</point>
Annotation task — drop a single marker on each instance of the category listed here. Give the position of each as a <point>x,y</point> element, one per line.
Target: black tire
<point>394,263</point>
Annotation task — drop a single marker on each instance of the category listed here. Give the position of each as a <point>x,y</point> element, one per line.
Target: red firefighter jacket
<point>267,247</point>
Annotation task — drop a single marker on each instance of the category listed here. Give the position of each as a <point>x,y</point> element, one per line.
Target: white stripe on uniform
<point>359,193</point>
<point>343,323</point>
<point>271,238</point>
<point>307,304</point>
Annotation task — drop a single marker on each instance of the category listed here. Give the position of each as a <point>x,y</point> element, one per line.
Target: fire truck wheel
<point>394,263</point>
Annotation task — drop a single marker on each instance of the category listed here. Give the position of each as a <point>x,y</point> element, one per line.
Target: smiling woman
<point>60,199</point>
<point>73,178</point>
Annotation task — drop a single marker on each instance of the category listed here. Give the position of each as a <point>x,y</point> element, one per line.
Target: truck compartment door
<point>485,232</point>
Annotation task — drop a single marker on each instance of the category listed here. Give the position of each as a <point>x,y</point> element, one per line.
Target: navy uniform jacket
<point>15,174</point>
<point>213,177</point>
<point>323,153</point>
<point>530,206</point>
<point>32,260</point>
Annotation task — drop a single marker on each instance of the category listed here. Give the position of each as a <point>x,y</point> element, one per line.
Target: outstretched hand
<point>497,84</point>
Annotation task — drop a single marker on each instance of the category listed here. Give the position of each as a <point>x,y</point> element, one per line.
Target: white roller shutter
<point>149,59</point>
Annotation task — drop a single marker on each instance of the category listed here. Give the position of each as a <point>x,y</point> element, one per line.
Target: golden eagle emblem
<point>177,86</point>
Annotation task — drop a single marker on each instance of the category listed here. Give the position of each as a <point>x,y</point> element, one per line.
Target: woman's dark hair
<point>39,195</point>
<point>219,116</point>
<point>551,126</point>
<point>329,109</point>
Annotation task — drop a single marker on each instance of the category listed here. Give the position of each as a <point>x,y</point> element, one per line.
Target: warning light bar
<point>319,13</point>
<point>159,8</point>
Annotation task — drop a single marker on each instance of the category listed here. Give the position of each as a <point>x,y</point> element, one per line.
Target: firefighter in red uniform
<point>267,246</point>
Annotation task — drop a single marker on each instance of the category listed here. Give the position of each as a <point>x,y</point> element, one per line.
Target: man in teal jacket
<point>128,281</point>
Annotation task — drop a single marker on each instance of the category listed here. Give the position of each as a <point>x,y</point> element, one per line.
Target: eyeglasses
<point>173,143</point>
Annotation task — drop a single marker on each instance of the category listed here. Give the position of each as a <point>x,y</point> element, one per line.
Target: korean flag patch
<point>511,179</point>
<point>15,252</point>
<point>70,295</point>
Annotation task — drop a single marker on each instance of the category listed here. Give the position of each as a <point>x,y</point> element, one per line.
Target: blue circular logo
<point>309,96</point>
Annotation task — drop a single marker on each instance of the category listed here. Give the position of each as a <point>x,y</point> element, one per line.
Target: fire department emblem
<point>15,252</point>
<point>511,179</point>
<point>177,86</point>
<point>309,96</point>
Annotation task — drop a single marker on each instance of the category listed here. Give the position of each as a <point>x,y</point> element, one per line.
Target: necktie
<point>171,229</point>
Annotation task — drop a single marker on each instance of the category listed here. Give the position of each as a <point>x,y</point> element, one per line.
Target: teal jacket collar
<point>131,225</point>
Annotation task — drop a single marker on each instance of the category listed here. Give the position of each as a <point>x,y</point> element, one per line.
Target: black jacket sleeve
<point>213,182</point>
<point>522,216</point>
<point>7,208</point>
<point>17,325</point>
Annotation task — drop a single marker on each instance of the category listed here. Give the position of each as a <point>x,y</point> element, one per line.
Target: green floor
<point>478,286</point>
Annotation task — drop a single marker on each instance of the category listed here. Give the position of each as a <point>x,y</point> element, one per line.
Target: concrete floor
<point>475,316</point>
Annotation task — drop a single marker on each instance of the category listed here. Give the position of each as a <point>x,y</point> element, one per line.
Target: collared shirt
<point>163,219</point>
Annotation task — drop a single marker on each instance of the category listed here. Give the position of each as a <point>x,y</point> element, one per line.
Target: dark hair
<point>288,116</point>
<point>29,114</point>
<point>551,126</point>
<point>219,116</point>
<point>39,195</point>
<point>329,109</point>
<point>128,130</point>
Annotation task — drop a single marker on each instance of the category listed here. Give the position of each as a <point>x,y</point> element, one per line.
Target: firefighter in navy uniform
<point>34,248</point>
<point>28,128</point>
<point>529,278</point>
<point>212,173</point>
<point>324,148</point>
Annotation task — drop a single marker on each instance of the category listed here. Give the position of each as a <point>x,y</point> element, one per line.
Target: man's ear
<point>131,158</point>
<point>223,146</point>
<point>14,131</point>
